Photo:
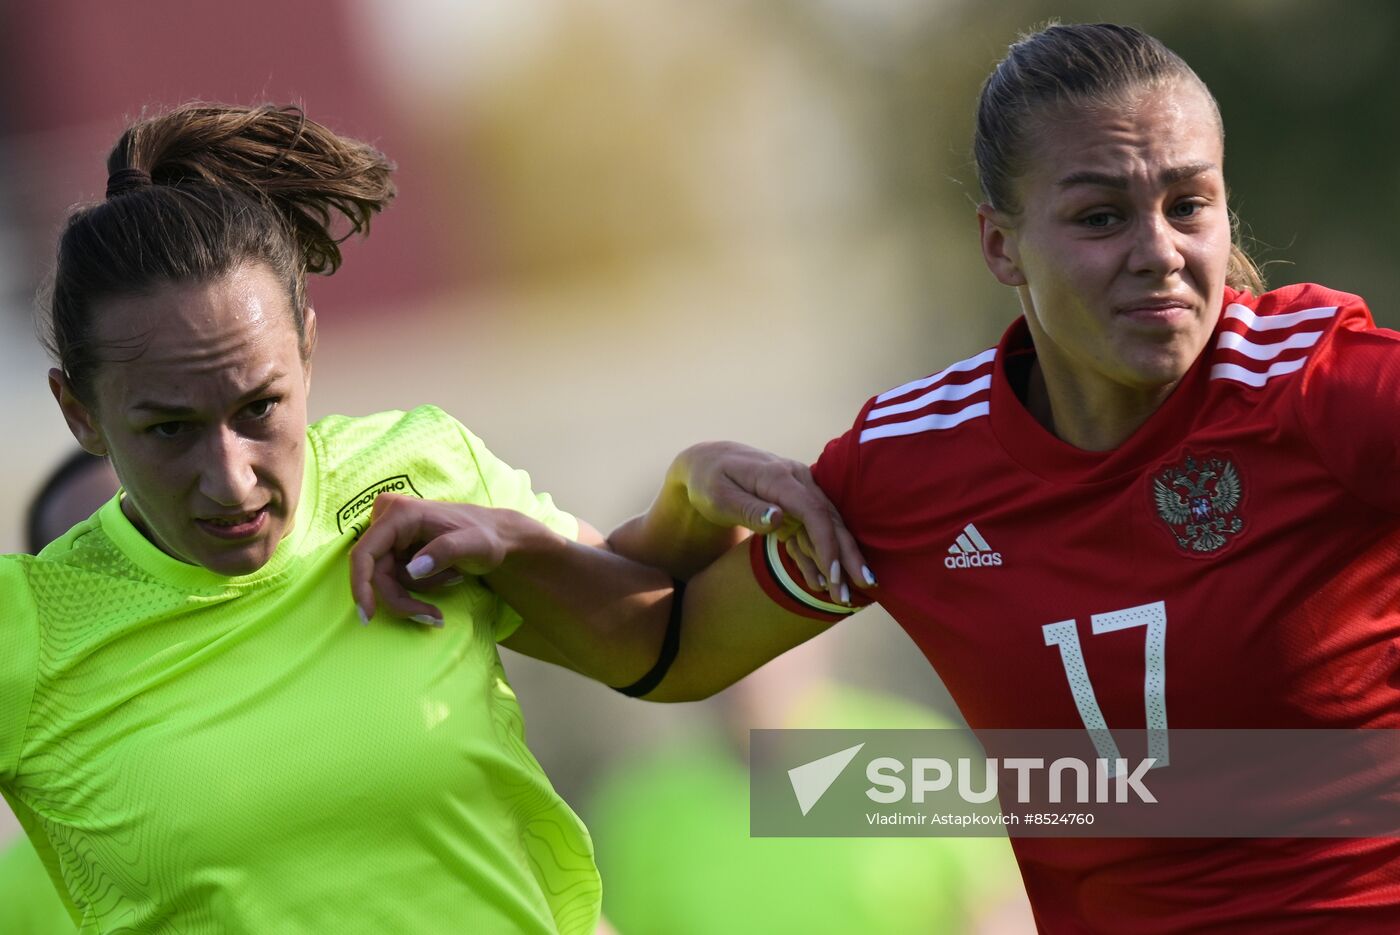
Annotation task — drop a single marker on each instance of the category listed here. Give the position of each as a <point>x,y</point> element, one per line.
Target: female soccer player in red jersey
<point>1167,497</point>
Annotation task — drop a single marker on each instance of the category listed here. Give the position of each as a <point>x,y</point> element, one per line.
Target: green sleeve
<point>19,658</point>
<point>508,488</point>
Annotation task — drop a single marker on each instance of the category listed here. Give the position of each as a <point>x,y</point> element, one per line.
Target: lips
<point>1158,312</point>
<point>234,525</point>
<point>1154,304</point>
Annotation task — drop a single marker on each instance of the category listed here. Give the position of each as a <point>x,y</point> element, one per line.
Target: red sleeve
<point>1350,406</point>
<point>777,574</point>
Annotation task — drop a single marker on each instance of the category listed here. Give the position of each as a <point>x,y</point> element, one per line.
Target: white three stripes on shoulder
<point>1233,341</point>
<point>1258,324</point>
<point>972,363</point>
<point>946,393</point>
<point>927,423</point>
<point>1274,322</point>
<point>1252,377</point>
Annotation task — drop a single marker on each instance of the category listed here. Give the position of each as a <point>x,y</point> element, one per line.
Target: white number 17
<point>1065,635</point>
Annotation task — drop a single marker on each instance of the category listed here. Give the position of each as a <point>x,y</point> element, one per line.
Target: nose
<point>1155,250</point>
<point>226,475</point>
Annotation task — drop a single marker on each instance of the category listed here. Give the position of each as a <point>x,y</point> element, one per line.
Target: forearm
<point>672,535</point>
<point>607,616</point>
<point>604,613</point>
<point>605,609</point>
<point>729,628</point>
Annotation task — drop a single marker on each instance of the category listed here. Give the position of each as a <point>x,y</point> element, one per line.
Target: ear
<point>76,413</point>
<point>999,247</point>
<point>309,327</point>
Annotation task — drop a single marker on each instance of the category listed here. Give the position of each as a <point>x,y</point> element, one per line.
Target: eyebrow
<point>164,409</point>
<point>1103,179</point>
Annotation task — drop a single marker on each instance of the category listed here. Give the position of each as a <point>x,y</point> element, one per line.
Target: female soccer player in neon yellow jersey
<point>193,730</point>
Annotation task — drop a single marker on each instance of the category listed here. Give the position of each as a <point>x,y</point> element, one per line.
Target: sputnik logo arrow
<point>811,780</point>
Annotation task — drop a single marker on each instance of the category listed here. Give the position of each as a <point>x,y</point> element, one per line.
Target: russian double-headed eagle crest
<point>1198,499</point>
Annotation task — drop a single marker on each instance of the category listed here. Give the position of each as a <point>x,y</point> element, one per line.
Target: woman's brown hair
<point>195,192</point>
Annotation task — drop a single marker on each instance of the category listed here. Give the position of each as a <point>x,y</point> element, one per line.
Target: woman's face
<point>1120,250</point>
<point>201,403</point>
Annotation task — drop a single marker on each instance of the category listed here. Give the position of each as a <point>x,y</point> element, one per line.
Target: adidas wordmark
<point>971,551</point>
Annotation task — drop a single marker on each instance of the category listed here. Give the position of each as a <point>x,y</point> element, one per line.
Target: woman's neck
<point>1091,420</point>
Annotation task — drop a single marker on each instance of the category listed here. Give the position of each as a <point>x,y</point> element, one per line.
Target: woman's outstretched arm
<point>604,607</point>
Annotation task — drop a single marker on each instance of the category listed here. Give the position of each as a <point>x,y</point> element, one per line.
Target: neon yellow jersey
<point>194,753</point>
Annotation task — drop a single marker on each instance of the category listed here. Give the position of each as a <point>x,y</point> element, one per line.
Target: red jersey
<point>1234,564</point>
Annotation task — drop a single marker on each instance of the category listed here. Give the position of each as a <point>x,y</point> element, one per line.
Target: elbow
<point>681,689</point>
<point>662,696</point>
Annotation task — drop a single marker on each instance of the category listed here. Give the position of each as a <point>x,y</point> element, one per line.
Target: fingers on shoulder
<point>390,503</point>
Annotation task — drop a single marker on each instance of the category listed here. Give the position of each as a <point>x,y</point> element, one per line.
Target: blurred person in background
<point>707,876</point>
<point>80,484</point>
<point>29,904</point>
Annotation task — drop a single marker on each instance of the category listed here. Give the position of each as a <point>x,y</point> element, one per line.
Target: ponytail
<point>297,167</point>
<point>193,193</point>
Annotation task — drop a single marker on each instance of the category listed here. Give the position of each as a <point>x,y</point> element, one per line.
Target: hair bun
<point>123,181</point>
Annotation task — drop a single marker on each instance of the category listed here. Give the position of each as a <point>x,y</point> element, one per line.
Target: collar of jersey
<point>196,578</point>
<point>1043,454</point>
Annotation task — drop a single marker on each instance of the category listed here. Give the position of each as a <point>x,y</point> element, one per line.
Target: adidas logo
<point>971,551</point>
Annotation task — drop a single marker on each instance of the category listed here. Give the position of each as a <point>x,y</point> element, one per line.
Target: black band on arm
<point>670,645</point>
